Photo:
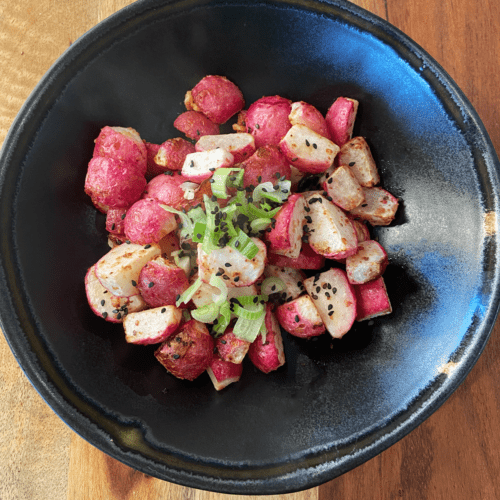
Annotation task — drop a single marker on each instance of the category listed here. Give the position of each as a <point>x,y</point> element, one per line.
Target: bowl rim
<point>119,440</point>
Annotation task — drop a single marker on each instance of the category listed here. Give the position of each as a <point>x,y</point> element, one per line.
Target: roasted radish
<point>300,318</point>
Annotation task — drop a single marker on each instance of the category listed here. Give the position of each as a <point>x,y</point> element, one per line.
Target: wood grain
<point>454,454</point>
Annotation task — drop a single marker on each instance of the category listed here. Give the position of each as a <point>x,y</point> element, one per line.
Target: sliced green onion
<point>223,319</point>
<point>244,245</point>
<point>248,300</point>
<point>199,232</point>
<point>187,295</point>
<point>207,313</point>
<point>272,285</point>
<point>260,224</point>
<point>260,213</point>
<point>247,312</point>
<point>247,329</point>
<point>267,190</point>
<point>220,182</point>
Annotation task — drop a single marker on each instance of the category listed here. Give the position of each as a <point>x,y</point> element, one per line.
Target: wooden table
<point>454,454</point>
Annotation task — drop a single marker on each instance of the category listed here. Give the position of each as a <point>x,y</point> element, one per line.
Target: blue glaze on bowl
<point>335,404</point>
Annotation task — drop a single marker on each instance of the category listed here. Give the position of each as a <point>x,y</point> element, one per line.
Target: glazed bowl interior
<point>335,403</point>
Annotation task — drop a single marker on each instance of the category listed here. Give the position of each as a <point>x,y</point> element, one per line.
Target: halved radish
<point>372,300</point>
<point>292,278</point>
<point>330,232</point>
<point>240,145</point>
<point>151,326</point>
<point>340,119</point>
<point>344,189</point>
<point>300,318</point>
<point>334,299</point>
<point>356,154</point>
<point>368,263</point>
<point>222,373</point>
<point>379,207</point>
<point>118,270</point>
<point>201,165</point>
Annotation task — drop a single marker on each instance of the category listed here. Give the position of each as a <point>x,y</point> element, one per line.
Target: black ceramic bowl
<point>334,404</point>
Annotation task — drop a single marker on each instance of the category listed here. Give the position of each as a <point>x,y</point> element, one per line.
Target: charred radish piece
<point>331,233</point>
<point>308,151</point>
<point>106,305</point>
<point>334,299</point>
<point>344,189</point>
<point>367,264</point>
<point>200,166</point>
<point>118,270</point>
<point>189,352</point>
<point>379,207</point>
<point>292,278</point>
<point>300,318</point>
<point>356,154</point>
<point>240,145</point>
<point>152,326</point>
<point>231,265</point>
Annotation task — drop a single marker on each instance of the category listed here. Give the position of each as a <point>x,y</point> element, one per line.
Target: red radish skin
<point>268,355</point>
<point>122,144</point>
<point>172,153</point>
<point>195,124</point>
<point>223,373</point>
<point>340,119</point>
<point>216,97</point>
<point>189,352</point>
<point>307,259</point>
<point>267,120</point>
<point>267,164</point>
<point>161,281</point>
<point>231,348</point>
<point>112,183</point>
<point>167,190</point>
<point>306,114</point>
<point>106,305</point>
<point>153,169</point>
<point>147,222</point>
<point>300,318</point>
<point>285,237</point>
<point>115,224</point>
<point>152,326</point>
<point>372,300</point>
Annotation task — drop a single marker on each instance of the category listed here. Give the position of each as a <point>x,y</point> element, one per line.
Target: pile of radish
<point>215,248</point>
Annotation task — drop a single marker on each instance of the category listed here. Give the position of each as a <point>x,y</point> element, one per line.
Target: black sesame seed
<point>307,143</point>
<point>223,342</point>
<point>236,279</point>
<point>119,316</point>
<point>364,205</point>
<point>113,226</point>
<point>150,284</point>
<point>123,215</point>
<point>308,219</point>
<point>352,163</point>
<point>330,313</point>
<point>163,309</point>
<point>334,290</point>
<point>104,315</point>
<point>297,319</point>
<point>103,302</point>
<point>147,246</point>
<point>307,209</point>
<point>177,298</point>
<point>315,146</point>
<point>134,283</point>
<point>176,356</point>
<point>315,297</point>
<point>226,277</point>
<point>191,164</point>
<point>255,300</point>
<point>212,169</point>
<point>227,264</point>
<point>257,126</point>
<point>259,179</point>
<point>330,307</point>
<point>211,181</point>
<point>330,180</point>
<point>236,244</point>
